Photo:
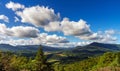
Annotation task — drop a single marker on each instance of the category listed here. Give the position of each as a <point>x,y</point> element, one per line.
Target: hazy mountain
<point>88,48</point>
<point>33,48</point>
<point>84,52</point>
<point>97,47</point>
<point>64,54</point>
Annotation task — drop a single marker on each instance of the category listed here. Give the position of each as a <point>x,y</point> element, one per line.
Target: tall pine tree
<point>41,62</point>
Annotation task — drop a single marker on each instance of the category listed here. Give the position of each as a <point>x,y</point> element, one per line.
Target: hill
<point>64,55</point>
<point>107,62</point>
<point>92,57</point>
<point>83,52</point>
<point>31,48</point>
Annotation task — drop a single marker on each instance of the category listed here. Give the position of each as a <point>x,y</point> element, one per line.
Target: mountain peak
<point>95,43</point>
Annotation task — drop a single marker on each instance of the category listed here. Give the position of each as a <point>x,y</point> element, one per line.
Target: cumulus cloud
<point>56,39</point>
<point>46,18</point>
<point>75,28</point>
<point>53,26</point>
<point>103,37</point>
<point>38,15</point>
<point>82,30</point>
<point>4,18</point>
<point>110,32</point>
<point>14,6</point>
<point>2,37</point>
<point>108,36</point>
<point>50,39</point>
<point>19,31</point>
<point>14,42</point>
<point>43,38</point>
<point>93,36</point>
<point>69,44</point>
<point>18,42</point>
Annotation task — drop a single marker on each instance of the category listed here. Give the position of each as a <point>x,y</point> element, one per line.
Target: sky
<point>59,23</point>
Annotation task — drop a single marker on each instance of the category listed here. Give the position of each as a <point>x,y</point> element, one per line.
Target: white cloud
<point>2,37</point>
<point>81,30</point>
<point>103,37</point>
<point>38,15</point>
<point>45,17</point>
<point>4,18</point>
<point>69,44</point>
<point>53,26</point>
<point>43,38</point>
<point>14,42</point>
<point>108,37</point>
<point>75,28</point>
<point>14,6</point>
<point>56,39</point>
<point>50,39</point>
<point>110,32</point>
<point>19,31</point>
<point>19,42</point>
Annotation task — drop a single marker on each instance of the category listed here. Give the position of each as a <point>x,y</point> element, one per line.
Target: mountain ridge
<point>94,45</point>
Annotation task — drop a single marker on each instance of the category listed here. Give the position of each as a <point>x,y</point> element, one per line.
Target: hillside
<point>31,48</point>
<point>107,62</point>
<point>109,69</point>
<point>83,52</point>
<point>64,55</point>
<point>92,57</point>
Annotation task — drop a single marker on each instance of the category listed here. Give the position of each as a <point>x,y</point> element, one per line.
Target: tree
<point>41,62</point>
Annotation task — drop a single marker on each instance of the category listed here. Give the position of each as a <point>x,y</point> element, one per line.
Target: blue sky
<point>99,20</point>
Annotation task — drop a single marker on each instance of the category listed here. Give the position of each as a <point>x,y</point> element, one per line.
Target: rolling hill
<point>95,56</point>
<point>65,55</point>
<point>32,48</point>
<point>109,61</point>
<point>83,52</point>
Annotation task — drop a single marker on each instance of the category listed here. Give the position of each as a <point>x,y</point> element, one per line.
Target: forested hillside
<point>107,62</point>
<point>12,62</point>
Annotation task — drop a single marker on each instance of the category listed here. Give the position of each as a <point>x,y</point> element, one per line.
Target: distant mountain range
<point>83,52</point>
<point>93,49</point>
<point>98,47</point>
<point>63,54</point>
<point>33,48</point>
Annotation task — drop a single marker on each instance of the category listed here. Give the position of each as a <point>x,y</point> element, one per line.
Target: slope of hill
<point>91,47</point>
<point>80,58</point>
<point>65,55</point>
<point>109,69</point>
<point>107,62</point>
<point>83,52</point>
<point>27,50</point>
<point>32,48</point>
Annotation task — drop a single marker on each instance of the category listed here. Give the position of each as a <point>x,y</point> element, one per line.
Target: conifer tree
<point>41,62</point>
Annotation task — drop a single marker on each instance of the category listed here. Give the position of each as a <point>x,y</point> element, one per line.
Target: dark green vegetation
<point>83,52</point>
<point>65,55</point>
<point>11,62</point>
<point>108,61</point>
<point>93,57</point>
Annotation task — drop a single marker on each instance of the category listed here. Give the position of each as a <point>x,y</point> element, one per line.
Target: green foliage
<point>12,62</point>
<point>108,59</point>
<point>40,62</point>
